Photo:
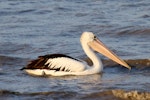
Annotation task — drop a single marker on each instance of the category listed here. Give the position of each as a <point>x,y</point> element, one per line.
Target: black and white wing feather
<point>57,62</point>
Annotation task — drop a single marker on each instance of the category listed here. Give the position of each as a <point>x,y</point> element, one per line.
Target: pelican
<point>60,64</point>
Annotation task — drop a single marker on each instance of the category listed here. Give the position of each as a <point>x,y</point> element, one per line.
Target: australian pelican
<point>59,64</point>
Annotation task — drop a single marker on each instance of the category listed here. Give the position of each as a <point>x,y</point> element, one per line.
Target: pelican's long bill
<point>98,46</point>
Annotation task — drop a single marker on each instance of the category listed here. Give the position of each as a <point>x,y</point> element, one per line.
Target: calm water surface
<point>38,27</point>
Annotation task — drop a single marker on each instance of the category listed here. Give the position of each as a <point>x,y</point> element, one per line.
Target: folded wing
<point>57,62</point>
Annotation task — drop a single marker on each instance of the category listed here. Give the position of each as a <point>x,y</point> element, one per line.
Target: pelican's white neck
<point>97,63</point>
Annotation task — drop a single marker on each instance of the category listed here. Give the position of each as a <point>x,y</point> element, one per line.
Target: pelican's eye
<point>95,37</point>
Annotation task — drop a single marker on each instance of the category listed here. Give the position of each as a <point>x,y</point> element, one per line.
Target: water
<point>32,28</point>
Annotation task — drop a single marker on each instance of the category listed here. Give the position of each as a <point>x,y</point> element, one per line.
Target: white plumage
<point>66,64</point>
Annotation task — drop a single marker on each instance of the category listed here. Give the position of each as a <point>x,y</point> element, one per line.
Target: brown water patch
<point>118,95</point>
<point>134,30</point>
<point>131,95</point>
<point>138,63</point>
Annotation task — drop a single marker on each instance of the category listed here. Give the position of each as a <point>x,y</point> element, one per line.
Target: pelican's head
<point>93,42</point>
<point>87,37</point>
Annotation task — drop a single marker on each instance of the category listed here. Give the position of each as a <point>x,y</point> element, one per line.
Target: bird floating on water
<point>60,64</point>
